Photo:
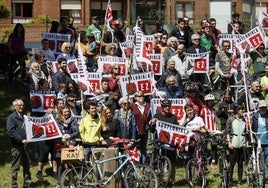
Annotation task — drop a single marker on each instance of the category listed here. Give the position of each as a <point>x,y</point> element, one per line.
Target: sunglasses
<point>67,47</point>
<point>227,46</point>
<point>117,68</point>
<point>112,48</point>
<point>196,39</point>
<point>71,100</point>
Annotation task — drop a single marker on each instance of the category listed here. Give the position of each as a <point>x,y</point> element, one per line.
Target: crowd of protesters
<point>128,117</point>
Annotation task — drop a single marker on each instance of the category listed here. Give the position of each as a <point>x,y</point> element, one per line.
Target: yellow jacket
<point>90,129</point>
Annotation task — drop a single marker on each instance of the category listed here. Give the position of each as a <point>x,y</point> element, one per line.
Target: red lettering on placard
<point>178,140</point>
<point>106,68</point>
<point>94,85</point>
<point>145,86</point>
<point>200,65</point>
<point>177,111</point>
<point>256,40</point>
<point>48,101</point>
<point>51,129</point>
<point>156,66</point>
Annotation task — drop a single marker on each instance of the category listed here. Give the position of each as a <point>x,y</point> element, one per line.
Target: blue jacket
<point>71,129</point>
<point>15,128</point>
<point>60,77</point>
<point>178,93</point>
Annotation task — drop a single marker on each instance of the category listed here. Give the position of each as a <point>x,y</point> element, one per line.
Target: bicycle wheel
<point>162,168</point>
<point>195,177</point>
<point>261,178</point>
<point>74,177</point>
<point>142,176</point>
<point>223,169</point>
<point>250,173</point>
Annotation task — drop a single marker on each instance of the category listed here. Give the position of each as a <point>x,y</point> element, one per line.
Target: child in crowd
<point>62,91</point>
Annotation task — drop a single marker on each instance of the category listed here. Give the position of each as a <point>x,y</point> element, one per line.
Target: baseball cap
<point>115,22</point>
<point>262,103</point>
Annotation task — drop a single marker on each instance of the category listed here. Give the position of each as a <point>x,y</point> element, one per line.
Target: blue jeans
<point>87,153</point>
<point>265,150</point>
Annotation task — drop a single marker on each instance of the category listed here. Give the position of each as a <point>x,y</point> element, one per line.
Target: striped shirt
<point>209,118</point>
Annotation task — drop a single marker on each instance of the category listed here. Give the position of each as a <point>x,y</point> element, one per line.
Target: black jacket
<point>15,128</point>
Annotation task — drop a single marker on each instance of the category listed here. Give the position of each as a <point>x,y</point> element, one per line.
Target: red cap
<point>115,22</point>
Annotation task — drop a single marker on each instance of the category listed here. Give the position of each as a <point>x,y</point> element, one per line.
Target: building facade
<point>166,10</point>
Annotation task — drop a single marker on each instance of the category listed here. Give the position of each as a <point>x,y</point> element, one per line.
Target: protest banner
<point>253,38</point>
<point>41,128</point>
<point>41,101</point>
<point>174,134</point>
<point>56,40</point>
<point>72,66</point>
<point>176,108</point>
<point>105,64</point>
<point>138,82</point>
<point>157,61</point>
<point>228,37</point>
<point>88,83</point>
<point>126,48</point>
<point>200,61</point>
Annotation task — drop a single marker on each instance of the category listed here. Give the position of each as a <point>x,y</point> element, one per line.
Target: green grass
<point>16,90</point>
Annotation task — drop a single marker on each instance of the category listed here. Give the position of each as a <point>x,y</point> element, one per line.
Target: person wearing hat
<point>260,124</point>
<point>165,115</point>
<point>115,36</point>
<point>95,29</point>
<point>207,41</point>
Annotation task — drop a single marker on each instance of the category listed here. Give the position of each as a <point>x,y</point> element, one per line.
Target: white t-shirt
<point>195,124</point>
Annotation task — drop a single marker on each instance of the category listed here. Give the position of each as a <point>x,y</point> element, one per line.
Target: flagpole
<point>248,121</point>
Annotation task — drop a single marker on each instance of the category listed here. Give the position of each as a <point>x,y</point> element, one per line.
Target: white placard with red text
<point>228,37</point>
<point>41,128</point>
<point>105,64</point>
<point>253,38</point>
<point>56,40</point>
<point>41,101</point>
<point>174,134</point>
<point>138,82</point>
<point>88,83</point>
<point>72,66</point>
<point>176,108</point>
<point>157,62</point>
<point>200,61</point>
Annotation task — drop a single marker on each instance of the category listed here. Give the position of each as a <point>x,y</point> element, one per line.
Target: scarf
<point>37,75</point>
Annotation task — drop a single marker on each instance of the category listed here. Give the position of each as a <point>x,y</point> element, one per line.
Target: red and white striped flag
<point>108,16</point>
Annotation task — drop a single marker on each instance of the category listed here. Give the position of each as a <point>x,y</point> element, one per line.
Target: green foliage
<point>5,33</point>
<point>4,11</point>
<point>42,19</point>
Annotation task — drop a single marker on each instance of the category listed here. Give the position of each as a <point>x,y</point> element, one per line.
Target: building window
<point>184,9</point>
<point>71,8</point>
<point>22,11</point>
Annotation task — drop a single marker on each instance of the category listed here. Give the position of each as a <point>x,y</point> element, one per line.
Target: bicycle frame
<point>256,152</point>
<point>98,163</point>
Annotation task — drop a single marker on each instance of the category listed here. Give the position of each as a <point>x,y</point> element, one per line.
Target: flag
<point>108,16</point>
<point>263,20</point>
<point>234,63</point>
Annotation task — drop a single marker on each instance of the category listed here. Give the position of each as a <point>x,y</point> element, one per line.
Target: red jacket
<point>141,119</point>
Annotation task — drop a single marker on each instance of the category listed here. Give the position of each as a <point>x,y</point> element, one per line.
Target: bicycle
<point>255,170</point>
<point>159,162</point>
<point>222,146</point>
<point>196,167</point>
<point>91,175</point>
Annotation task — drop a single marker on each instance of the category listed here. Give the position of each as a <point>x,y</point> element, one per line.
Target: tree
<point>4,11</point>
